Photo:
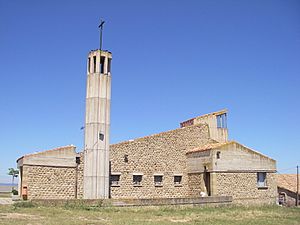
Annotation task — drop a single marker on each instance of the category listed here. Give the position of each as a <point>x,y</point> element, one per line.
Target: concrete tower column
<point>97,126</point>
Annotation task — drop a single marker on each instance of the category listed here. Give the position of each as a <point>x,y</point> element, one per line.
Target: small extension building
<point>287,189</point>
<point>194,160</point>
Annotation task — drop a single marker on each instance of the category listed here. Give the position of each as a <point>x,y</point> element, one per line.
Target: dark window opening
<point>115,180</point>
<point>137,180</point>
<point>222,121</point>
<point>94,59</point>
<point>282,198</point>
<point>102,64</point>
<point>261,179</point>
<point>77,160</point>
<point>101,136</point>
<point>89,65</point>
<point>158,179</point>
<point>109,65</point>
<point>126,158</point>
<point>218,154</point>
<point>177,180</point>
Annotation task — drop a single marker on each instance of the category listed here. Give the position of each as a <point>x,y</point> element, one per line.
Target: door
<point>207,182</point>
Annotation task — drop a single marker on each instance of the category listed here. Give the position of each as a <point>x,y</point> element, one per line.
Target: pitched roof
<point>287,181</point>
<point>222,144</point>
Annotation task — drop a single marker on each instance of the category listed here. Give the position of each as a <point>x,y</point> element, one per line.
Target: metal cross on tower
<point>101,29</point>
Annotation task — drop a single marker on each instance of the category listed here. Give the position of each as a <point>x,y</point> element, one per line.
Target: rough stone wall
<point>160,153</point>
<point>44,182</point>
<point>80,177</point>
<point>196,184</point>
<point>243,188</point>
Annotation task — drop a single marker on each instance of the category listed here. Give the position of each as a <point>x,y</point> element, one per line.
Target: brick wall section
<point>243,188</point>
<point>159,153</point>
<point>44,182</point>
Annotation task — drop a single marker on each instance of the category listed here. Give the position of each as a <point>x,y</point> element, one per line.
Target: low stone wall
<point>219,200</point>
<point>173,201</point>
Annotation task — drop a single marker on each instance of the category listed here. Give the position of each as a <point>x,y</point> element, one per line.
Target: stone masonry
<point>80,176</point>
<point>189,153</point>
<point>243,188</point>
<point>162,154</point>
<point>196,184</point>
<point>45,182</point>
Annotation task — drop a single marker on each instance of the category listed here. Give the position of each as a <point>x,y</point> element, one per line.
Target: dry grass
<point>34,215</point>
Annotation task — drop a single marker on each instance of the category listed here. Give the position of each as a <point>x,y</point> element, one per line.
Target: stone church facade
<point>185,162</point>
<point>194,160</point>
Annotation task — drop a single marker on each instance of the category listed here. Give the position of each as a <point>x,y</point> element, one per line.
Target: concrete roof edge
<point>223,144</point>
<point>208,114</point>
<point>252,150</point>
<point>49,150</point>
<point>208,146</point>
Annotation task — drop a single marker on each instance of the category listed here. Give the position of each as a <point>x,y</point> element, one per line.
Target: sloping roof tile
<point>287,181</point>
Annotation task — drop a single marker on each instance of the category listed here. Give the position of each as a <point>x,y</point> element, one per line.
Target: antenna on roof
<point>101,29</point>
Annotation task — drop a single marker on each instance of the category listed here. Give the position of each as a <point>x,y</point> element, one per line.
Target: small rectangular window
<point>177,180</point>
<point>115,180</point>
<point>218,154</point>
<point>137,180</point>
<point>95,63</point>
<point>158,180</point>
<point>222,121</point>
<point>261,179</point>
<point>89,65</point>
<point>218,121</point>
<point>109,65</point>
<point>102,64</point>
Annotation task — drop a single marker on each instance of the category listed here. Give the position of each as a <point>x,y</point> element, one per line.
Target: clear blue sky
<point>172,60</point>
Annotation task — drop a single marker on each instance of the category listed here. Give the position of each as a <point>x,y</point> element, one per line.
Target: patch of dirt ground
<point>19,216</point>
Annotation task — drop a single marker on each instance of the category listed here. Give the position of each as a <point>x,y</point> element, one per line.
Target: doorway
<point>206,177</point>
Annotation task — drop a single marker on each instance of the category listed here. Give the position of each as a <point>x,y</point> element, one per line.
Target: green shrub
<point>14,192</point>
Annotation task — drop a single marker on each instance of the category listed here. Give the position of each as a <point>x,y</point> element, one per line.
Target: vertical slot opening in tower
<point>108,65</point>
<point>94,59</point>
<point>89,65</point>
<point>102,64</point>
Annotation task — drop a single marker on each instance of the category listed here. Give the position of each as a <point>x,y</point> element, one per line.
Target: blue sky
<point>172,60</point>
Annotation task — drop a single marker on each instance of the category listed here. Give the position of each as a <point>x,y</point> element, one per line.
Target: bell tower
<point>97,125</point>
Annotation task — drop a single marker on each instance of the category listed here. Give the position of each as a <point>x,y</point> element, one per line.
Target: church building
<point>193,161</point>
